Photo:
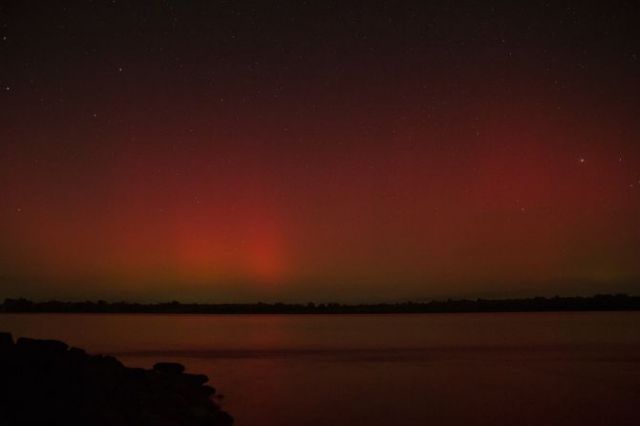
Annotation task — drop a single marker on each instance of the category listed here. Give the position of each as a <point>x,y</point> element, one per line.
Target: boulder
<point>41,347</point>
<point>45,383</point>
<point>195,379</point>
<point>6,340</point>
<point>169,367</point>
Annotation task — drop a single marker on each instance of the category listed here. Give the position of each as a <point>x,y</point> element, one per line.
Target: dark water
<point>456,369</point>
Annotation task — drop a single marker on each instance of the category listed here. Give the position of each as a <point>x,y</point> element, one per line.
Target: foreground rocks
<point>44,382</point>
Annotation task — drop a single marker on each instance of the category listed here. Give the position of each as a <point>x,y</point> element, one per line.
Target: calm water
<point>481,369</point>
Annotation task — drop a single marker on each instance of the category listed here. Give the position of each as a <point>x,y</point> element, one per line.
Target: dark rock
<point>195,379</point>
<point>208,390</point>
<point>107,361</point>
<point>169,367</point>
<point>43,383</point>
<point>136,373</point>
<point>6,340</point>
<point>78,354</point>
<point>41,347</point>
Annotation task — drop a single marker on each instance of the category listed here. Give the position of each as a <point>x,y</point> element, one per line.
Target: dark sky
<point>349,151</point>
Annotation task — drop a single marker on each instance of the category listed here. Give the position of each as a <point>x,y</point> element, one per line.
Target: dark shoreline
<point>597,303</point>
<point>69,386</point>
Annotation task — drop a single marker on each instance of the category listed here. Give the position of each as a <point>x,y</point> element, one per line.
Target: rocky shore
<point>44,382</point>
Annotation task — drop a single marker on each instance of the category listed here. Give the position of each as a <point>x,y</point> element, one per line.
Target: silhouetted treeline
<point>617,302</point>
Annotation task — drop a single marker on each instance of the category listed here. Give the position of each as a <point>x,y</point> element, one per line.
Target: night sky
<point>325,151</point>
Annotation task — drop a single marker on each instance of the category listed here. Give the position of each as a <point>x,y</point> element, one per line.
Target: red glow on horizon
<point>330,196</point>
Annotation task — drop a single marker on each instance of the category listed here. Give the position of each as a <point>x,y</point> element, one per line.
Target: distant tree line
<point>602,302</point>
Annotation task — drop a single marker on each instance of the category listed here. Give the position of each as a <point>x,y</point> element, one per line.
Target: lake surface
<point>434,369</point>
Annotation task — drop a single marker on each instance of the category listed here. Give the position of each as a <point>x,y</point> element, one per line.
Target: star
<point>582,160</point>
